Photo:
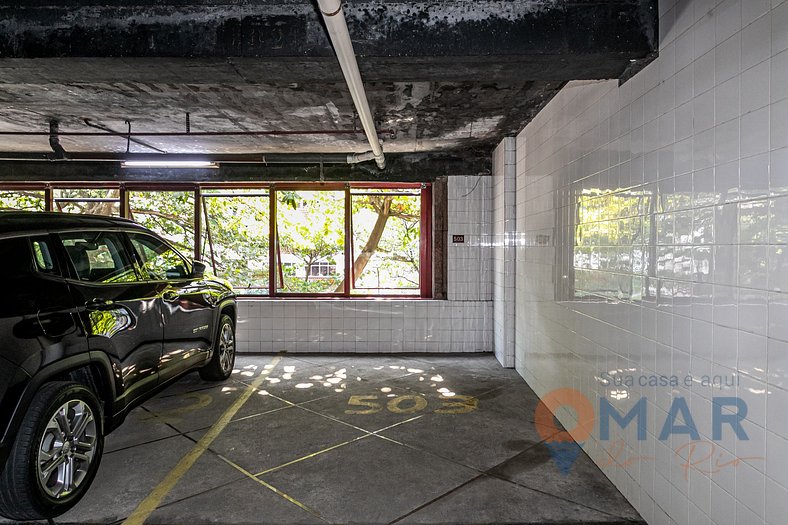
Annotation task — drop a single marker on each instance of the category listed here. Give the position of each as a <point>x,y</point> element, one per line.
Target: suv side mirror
<point>198,269</point>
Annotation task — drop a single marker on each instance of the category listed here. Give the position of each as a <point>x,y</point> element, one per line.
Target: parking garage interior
<point>496,261</point>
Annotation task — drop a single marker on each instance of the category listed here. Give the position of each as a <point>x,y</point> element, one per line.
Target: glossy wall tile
<point>503,250</point>
<point>470,217</point>
<point>364,326</point>
<point>652,222</point>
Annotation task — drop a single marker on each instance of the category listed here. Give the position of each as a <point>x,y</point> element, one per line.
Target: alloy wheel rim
<point>67,449</point>
<point>226,347</point>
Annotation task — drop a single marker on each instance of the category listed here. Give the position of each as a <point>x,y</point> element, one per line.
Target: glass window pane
<point>98,201</point>
<point>386,235</point>
<point>311,230</point>
<point>22,200</point>
<point>235,238</point>
<point>168,213</point>
<point>159,260</point>
<point>99,257</point>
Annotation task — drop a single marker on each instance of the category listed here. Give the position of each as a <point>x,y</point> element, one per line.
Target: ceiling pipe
<point>188,133</point>
<point>340,39</point>
<point>223,158</point>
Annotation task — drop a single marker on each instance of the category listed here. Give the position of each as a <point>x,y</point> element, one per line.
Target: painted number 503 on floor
<point>410,404</point>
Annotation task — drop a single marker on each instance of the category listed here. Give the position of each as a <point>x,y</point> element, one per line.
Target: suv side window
<point>160,261</point>
<point>42,255</point>
<point>99,257</point>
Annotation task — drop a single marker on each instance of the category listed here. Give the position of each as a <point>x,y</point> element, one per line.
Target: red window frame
<point>425,241</point>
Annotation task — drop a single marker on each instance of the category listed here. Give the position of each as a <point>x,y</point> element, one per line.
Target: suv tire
<point>222,361</point>
<point>56,453</point>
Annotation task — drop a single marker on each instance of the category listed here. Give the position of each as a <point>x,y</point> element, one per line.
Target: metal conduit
<point>223,158</point>
<point>340,39</point>
<point>185,133</point>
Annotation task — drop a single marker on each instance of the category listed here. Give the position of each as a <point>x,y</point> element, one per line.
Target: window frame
<point>71,273</point>
<point>369,191</point>
<point>199,222</point>
<point>220,191</point>
<point>273,265</point>
<point>58,203</point>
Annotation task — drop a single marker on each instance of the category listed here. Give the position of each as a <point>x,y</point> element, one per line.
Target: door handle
<point>56,324</point>
<point>98,303</point>
<point>170,296</point>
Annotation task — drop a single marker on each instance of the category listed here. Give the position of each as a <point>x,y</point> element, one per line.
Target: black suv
<point>99,314</point>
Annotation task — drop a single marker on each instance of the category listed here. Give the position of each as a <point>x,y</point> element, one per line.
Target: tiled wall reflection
<point>653,222</point>
<point>364,326</point>
<point>503,250</point>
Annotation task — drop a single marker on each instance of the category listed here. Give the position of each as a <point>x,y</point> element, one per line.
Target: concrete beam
<point>285,71</point>
<point>444,75</point>
<point>400,168</point>
<point>380,28</point>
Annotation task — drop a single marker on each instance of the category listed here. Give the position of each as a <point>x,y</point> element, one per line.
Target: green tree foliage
<point>22,200</point>
<point>168,213</point>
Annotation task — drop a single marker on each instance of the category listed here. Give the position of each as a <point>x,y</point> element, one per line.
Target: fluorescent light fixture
<point>169,164</point>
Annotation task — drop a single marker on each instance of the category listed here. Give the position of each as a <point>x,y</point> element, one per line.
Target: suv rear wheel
<point>56,453</point>
<point>221,364</point>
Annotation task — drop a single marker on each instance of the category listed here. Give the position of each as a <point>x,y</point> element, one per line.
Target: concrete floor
<point>293,453</point>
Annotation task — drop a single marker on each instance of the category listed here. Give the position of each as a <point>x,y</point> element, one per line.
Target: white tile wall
<point>461,324</point>
<point>653,222</point>
<point>503,250</point>
<point>470,263</point>
<point>364,326</point>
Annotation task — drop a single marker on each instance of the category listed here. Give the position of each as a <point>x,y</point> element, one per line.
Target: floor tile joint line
<point>157,495</point>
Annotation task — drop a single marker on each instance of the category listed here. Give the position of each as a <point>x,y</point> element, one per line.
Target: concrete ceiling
<point>442,76</point>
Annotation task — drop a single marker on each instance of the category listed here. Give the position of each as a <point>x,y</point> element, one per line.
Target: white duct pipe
<point>340,39</point>
<point>355,158</point>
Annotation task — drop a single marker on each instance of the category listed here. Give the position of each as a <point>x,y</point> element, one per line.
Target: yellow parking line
<point>154,499</point>
<point>333,447</point>
<point>298,460</point>
<point>313,454</point>
<point>271,487</point>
